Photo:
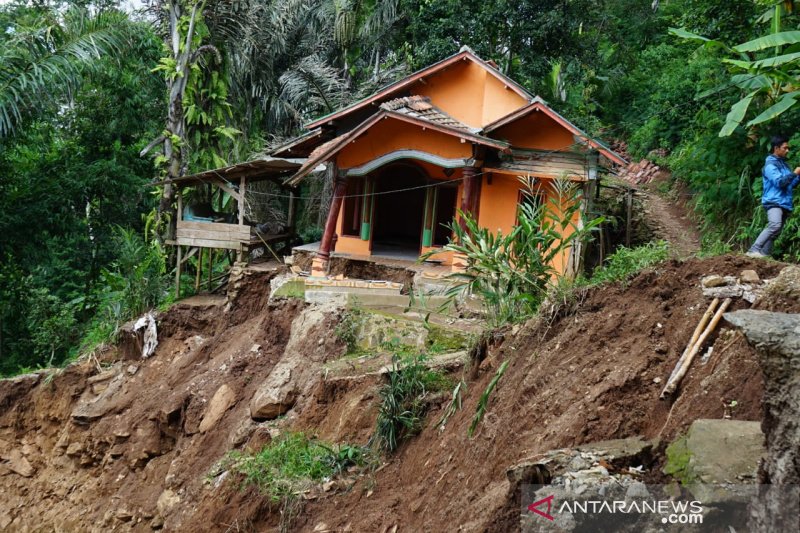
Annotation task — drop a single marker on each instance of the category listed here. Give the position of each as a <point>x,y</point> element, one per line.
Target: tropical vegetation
<point>96,103</point>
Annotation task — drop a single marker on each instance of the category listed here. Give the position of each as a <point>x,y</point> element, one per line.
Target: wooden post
<point>210,266</point>
<point>320,266</point>
<point>180,204</point>
<point>178,271</point>
<point>628,216</point>
<point>470,196</point>
<point>290,218</point>
<point>242,192</point>
<point>199,269</point>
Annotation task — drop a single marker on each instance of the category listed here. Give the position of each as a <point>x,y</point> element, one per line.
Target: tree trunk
<point>176,124</point>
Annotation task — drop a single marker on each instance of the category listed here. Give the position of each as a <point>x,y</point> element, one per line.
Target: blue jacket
<point>779,180</point>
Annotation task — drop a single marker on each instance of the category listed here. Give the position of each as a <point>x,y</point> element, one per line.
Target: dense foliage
<point>74,117</point>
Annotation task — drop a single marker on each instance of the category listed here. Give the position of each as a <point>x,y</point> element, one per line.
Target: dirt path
<point>671,220</point>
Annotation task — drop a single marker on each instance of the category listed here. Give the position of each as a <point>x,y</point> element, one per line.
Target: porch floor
<point>387,256</point>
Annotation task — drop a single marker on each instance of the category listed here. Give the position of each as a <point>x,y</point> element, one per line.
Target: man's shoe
<point>756,255</point>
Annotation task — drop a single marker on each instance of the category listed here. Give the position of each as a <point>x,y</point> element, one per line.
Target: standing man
<point>779,180</point>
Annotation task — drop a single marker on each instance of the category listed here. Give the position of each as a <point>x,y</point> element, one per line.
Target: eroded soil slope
<point>129,446</point>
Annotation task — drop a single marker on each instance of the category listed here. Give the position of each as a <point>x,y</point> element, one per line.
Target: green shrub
<point>52,324</point>
<point>511,272</point>
<point>292,462</point>
<point>625,262</point>
<point>348,328</point>
<point>404,401</point>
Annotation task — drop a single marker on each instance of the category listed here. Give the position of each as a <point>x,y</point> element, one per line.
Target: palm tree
<point>46,61</point>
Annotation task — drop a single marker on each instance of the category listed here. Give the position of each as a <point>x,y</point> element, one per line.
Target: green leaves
<point>511,273</point>
<point>786,102</point>
<point>736,114</point>
<point>45,62</point>
<point>769,41</point>
<point>769,77</point>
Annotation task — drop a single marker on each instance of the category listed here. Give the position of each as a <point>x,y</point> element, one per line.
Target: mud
<point>133,459</point>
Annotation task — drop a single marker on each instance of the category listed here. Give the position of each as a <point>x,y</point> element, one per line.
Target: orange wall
<point>498,211</point>
<point>536,131</point>
<point>390,135</point>
<point>470,94</point>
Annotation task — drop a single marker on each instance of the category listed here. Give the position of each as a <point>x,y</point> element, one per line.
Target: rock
<point>74,449</point>
<point>157,523</point>
<point>222,400</point>
<point>89,409</point>
<point>787,284</point>
<point>123,515</point>
<point>276,396</point>
<point>5,520</point>
<point>749,276</point>
<point>321,527</point>
<point>710,442</point>
<point>656,380</point>
<point>132,369</point>
<point>166,502</point>
<point>713,281</point>
<point>18,464</point>
<point>776,337</point>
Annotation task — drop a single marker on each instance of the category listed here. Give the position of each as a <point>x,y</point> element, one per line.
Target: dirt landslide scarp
<point>128,445</point>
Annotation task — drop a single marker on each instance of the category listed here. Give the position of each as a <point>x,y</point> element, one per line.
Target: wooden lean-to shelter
<point>198,229</point>
<point>456,134</point>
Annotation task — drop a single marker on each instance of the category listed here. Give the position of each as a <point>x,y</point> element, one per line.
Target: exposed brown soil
<point>586,377</point>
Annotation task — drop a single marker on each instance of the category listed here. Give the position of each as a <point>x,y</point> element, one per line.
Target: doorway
<point>399,207</point>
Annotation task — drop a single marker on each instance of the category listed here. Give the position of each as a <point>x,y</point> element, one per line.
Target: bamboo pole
<point>199,269</point>
<point>676,379</point>
<point>210,266</point>
<point>178,275</point>
<point>699,329</point>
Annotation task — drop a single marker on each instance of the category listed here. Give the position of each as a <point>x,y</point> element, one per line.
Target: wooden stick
<point>675,381</point>
<point>198,273</point>
<point>210,266</point>
<point>178,275</point>
<point>699,329</point>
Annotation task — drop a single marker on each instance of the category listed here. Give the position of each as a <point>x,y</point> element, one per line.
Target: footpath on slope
<point>128,445</point>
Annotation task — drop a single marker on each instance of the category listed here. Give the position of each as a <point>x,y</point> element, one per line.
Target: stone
<point>132,369</point>
<point>74,449</point>
<point>18,464</point>
<point>713,281</point>
<point>157,523</point>
<point>749,276</point>
<point>92,409</point>
<point>710,443</point>
<point>276,396</point>
<point>123,515</point>
<point>776,337</point>
<point>222,400</point>
<point>167,501</point>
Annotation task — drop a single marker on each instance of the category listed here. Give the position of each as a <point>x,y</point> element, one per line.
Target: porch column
<point>470,200</point>
<point>470,197</point>
<point>320,264</point>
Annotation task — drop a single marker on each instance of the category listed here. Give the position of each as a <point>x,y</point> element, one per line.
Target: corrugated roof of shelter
<point>273,168</point>
<point>421,107</point>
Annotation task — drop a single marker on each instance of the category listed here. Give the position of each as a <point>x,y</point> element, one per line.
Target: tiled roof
<point>421,107</point>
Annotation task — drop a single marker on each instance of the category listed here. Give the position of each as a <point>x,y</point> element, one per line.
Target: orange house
<point>456,134</point>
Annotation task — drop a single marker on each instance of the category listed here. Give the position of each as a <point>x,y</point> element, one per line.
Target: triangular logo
<point>548,501</point>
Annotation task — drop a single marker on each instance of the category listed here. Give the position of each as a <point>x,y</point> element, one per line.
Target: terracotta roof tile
<point>421,107</point>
